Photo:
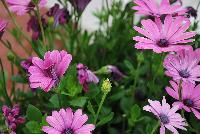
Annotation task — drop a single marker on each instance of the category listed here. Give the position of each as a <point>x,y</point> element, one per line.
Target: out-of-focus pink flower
<point>168,117</point>
<point>26,63</point>
<point>23,6</point>
<point>47,73</point>
<point>183,65</point>
<point>86,76</point>
<point>13,119</point>
<point>33,25</point>
<point>3,25</point>
<point>190,97</point>
<point>166,37</point>
<point>67,122</point>
<point>80,4</point>
<point>60,15</point>
<point>151,7</point>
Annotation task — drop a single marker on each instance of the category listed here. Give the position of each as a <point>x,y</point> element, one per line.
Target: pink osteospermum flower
<point>152,8</point>
<point>183,65</point>
<point>168,117</point>
<point>86,76</point>
<point>67,122</point>
<point>23,6</point>
<point>3,25</point>
<point>165,37</point>
<point>48,72</point>
<point>190,97</point>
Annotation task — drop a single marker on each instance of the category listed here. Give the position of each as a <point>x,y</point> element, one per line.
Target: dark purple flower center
<point>51,72</point>
<point>164,118</point>
<point>184,73</point>
<point>163,43</point>
<point>188,102</point>
<point>68,131</point>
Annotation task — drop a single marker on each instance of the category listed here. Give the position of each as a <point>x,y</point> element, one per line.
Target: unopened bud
<point>106,86</point>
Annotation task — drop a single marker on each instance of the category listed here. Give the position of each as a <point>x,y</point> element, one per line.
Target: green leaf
<point>105,119</point>
<point>33,113</point>
<point>55,101</point>
<point>33,127</point>
<point>78,102</point>
<point>69,84</point>
<point>135,113</point>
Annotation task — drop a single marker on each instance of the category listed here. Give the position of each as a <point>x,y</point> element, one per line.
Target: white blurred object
<point>91,23</point>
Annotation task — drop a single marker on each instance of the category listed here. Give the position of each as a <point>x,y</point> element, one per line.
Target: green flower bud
<point>11,56</point>
<point>106,86</point>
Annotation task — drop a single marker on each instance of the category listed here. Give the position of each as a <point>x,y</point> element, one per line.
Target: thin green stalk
<point>40,23</point>
<point>13,83</point>
<point>155,127</point>
<point>100,106</point>
<point>198,6</point>
<point>180,90</point>
<point>7,98</point>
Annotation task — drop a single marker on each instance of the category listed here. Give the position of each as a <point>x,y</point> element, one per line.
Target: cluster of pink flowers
<point>168,32</point>
<point>12,117</point>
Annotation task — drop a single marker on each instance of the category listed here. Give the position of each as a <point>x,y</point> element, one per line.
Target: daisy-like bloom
<point>152,8</point>
<point>168,117</point>
<point>13,119</point>
<point>183,65</point>
<point>47,73</point>
<point>3,25</point>
<point>190,100</point>
<point>67,122</point>
<point>23,6</point>
<point>165,37</point>
<point>86,76</point>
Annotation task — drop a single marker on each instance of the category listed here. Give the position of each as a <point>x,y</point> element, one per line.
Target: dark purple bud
<point>192,12</point>
<point>80,5</point>
<point>60,15</point>
<point>27,63</point>
<point>85,76</point>
<point>33,25</point>
<point>117,74</point>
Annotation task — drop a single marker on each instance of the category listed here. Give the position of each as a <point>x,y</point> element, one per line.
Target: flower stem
<point>100,106</point>
<point>180,90</point>
<point>155,127</point>
<point>40,23</point>
<point>7,98</point>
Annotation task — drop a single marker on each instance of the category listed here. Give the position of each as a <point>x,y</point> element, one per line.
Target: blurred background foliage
<point>111,44</point>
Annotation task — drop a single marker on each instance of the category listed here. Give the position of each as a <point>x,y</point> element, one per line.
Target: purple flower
<point>3,25</point>
<point>22,6</point>
<point>117,74</point>
<point>168,117</point>
<point>80,5</point>
<point>190,97</point>
<point>47,73</point>
<point>61,15</point>
<point>85,76</point>
<point>12,117</point>
<point>68,122</point>
<point>150,7</point>
<point>184,65</point>
<point>167,37</point>
<point>33,25</point>
<point>27,63</point>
